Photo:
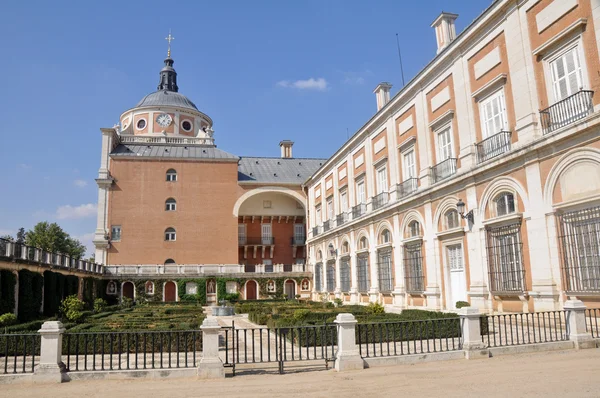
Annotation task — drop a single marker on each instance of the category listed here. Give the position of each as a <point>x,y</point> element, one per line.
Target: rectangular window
<point>445,150</point>
<point>505,258</point>
<point>242,234</point>
<point>413,267</point>
<point>299,236</point>
<point>268,265</point>
<point>345,274</point>
<point>267,237</point>
<point>409,169</point>
<point>362,270</point>
<point>344,201</point>
<point>360,192</point>
<point>115,233</point>
<point>382,180</point>
<point>330,277</point>
<point>330,208</point>
<point>493,114</point>
<point>318,215</point>
<point>567,77</point>
<point>384,265</point>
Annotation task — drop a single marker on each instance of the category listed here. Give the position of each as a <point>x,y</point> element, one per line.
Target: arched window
<point>413,229</point>
<point>345,248</point>
<point>170,234</point>
<point>171,204</point>
<point>385,237</point>
<point>451,219</point>
<point>363,243</point>
<point>169,261</point>
<point>505,204</point>
<point>171,175</point>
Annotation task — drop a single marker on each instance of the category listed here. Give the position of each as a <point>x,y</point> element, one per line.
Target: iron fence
<point>326,226</point>
<point>406,187</point>
<point>380,200</point>
<point>443,170</point>
<point>526,328</point>
<point>567,111</point>
<point>408,337</point>
<point>131,350</point>
<point>493,146</point>
<point>19,353</point>
<point>591,322</point>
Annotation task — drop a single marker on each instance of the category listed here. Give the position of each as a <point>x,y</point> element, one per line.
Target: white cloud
<point>25,166</point>
<point>75,212</point>
<point>319,84</point>
<point>80,183</point>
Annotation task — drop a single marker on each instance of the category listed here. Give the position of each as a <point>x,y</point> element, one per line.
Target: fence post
<point>51,368</point>
<point>576,329</point>
<point>348,356</point>
<point>470,325</point>
<point>210,366</point>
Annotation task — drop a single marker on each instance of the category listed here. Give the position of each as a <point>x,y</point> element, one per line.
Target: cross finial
<point>169,39</point>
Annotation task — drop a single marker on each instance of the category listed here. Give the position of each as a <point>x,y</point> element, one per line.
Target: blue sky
<point>262,70</point>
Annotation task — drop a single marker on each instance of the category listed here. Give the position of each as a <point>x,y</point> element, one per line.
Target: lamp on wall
<point>460,205</point>
<point>332,251</point>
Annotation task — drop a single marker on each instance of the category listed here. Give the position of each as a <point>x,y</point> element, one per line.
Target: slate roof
<point>277,170</point>
<point>172,151</point>
<point>166,98</point>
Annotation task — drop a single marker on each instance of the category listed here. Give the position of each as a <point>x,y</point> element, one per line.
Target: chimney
<point>445,32</point>
<point>382,93</point>
<point>286,149</point>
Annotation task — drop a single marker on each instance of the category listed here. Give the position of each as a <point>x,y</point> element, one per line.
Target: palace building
<point>479,181</point>
<point>173,207</point>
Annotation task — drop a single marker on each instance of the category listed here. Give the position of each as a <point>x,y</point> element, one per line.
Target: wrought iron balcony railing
<point>253,241</point>
<point>567,111</point>
<point>443,170</point>
<point>493,146</point>
<point>298,241</point>
<point>359,210</point>
<point>380,200</point>
<point>341,218</point>
<point>326,226</point>
<point>406,187</point>
<point>315,231</point>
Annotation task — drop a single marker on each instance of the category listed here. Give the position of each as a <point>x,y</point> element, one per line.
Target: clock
<point>164,120</point>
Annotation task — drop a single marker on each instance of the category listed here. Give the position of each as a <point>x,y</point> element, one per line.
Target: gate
<point>246,346</point>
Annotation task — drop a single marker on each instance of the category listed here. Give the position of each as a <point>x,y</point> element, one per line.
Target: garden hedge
<point>30,295</point>
<point>8,282</point>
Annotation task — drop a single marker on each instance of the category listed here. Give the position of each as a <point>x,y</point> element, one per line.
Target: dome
<point>166,98</point>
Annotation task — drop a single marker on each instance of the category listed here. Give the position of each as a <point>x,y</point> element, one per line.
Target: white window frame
<point>170,206</point>
<point>344,200</point>
<point>171,176</point>
<point>382,180</point>
<point>448,147</point>
<point>361,194</point>
<point>409,170</point>
<point>170,236</point>
<point>485,117</point>
<point>330,212</point>
<point>266,233</point>
<point>457,249</point>
<point>558,53</point>
<point>318,218</point>
<point>115,237</point>
<point>299,233</point>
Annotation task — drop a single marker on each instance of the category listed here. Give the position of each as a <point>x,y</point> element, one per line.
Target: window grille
<point>345,274</point>
<point>363,273</point>
<point>580,245</point>
<point>413,267</point>
<point>330,277</point>
<point>384,265</point>
<point>452,219</point>
<point>318,277</point>
<point>505,257</point>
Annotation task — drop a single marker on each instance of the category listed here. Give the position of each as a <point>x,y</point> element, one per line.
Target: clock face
<point>164,120</point>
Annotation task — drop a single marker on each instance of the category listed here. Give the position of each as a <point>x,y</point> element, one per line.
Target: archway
<point>128,290</point>
<point>290,289</point>
<point>170,292</point>
<point>251,290</point>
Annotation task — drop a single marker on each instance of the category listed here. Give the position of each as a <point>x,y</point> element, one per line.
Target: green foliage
<point>99,305</point>
<point>231,297</point>
<point>375,308</point>
<point>8,319</point>
<point>126,302</point>
<point>7,291</point>
<point>461,304</point>
<point>57,287</point>
<point>30,294</point>
<point>199,297</point>
<point>21,235</point>
<point>89,291</point>
<point>72,308</point>
<point>338,302</point>
<point>53,238</point>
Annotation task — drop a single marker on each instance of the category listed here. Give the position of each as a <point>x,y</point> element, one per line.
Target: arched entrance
<point>290,289</point>
<point>128,290</point>
<point>251,290</point>
<point>170,292</point>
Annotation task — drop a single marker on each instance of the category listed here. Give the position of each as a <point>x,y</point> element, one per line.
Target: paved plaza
<point>549,374</point>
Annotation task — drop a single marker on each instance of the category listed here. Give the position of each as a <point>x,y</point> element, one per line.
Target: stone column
<point>210,366</point>
<point>471,332</point>
<point>576,325</point>
<point>348,356</point>
<point>50,369</point>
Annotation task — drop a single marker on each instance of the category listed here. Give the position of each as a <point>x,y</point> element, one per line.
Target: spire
<point>168,76</point>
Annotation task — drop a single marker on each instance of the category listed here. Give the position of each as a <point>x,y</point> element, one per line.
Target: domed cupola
<point>168,77</point>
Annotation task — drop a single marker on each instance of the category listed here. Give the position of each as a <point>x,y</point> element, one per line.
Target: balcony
<point>341,219</point>
<point>493,146</point>
<point>298,241</point>
<point>252,241</point>
<point>359,210</point>
<point>406,187</point>
<point>567,111</point>
<point>443,170</point>
<point>326,226</point>
<point>380,200</point>
<point>315,231</point>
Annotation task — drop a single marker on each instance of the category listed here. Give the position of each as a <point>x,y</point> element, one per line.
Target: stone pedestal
<point>210,366</point>
<point>576,325</point>
<point>51,369</point>
<point>348,356</point>
<point>471,329</point>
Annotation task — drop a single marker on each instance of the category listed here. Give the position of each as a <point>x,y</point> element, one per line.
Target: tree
<point>51,237</point>
<point>21,235</point>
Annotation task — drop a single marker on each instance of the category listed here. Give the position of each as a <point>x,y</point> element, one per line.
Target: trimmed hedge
<point>7,291</point>
<point>30,295</point>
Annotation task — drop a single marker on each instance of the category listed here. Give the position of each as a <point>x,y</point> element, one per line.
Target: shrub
<point>375,308</point>
<point>99,305</point>
<point>461,304</point>
<point>8,319</point>
<point>301,314</point>
<point>72,308</point>
<point>338,302</point>
<point>126,302</point>
<point>231,297</point>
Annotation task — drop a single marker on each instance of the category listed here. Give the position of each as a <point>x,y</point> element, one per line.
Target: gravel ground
<point>550,374</point>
